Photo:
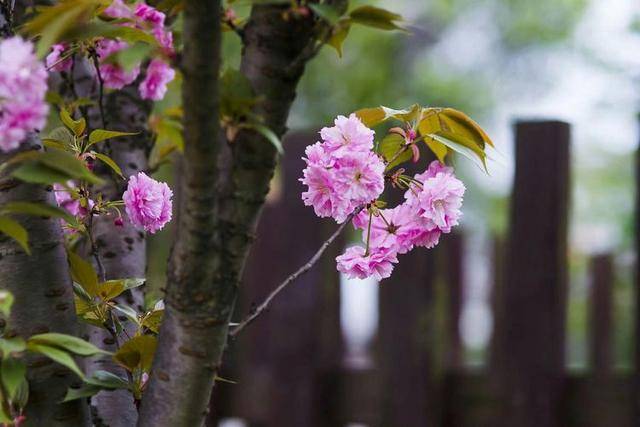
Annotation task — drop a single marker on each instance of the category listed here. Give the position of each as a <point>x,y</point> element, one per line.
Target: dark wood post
<point>600,314</point>
<point>636,397</point>
<point>454,277</point>
<point>536,277</point>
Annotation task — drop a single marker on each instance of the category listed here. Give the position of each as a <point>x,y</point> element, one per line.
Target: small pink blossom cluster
<point>23,85</point>
<point>432,206</point>
<point>159,72</point>
<point>342,172</point>
<point>147,202</point>
<point>71,203</point>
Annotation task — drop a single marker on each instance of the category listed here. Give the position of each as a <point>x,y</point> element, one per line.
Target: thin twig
<point>96,63</point>
<point>306,267</point>
<point>94,249</point>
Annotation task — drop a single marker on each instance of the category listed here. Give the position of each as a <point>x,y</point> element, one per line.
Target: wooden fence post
<point>531,377</point>
<point>454,281</point>
<point>636,335</point>
<point>600,314</point>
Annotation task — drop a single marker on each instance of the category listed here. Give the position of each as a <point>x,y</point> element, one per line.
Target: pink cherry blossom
<point>147,202</point>
<point>114,75</point>
<point>118,9</point>
<point>148,14</point>
<point>439,200</point>
<point>427,238</point>
<point>53,61</point>
<point>323,195</point>
<point>154,86</point>
<point>395,228</point>
<point>360,176</point>
<point>23,85</point>
<point>378,263</point>
<point>348,135</point>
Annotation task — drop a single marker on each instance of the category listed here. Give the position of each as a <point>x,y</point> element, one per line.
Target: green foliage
<point>13,229</point>
<point>137,353</point>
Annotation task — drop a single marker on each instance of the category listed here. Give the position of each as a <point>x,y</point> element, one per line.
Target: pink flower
<point>323,195</point>
<point>118,9</point>
<point>154,86</point>
<point>53,61</point>
<point>68,202</point>
<point>439,200</point>
<point>165,40</point>
<point>378,263</point>
<point>348,135</point>
<point>427,238</point>
<point>150,15</point>
<point>359,176</point>
<point>23,85</point>
<point>114,76</point>
<point>147,202</point>
<point>395,228</point>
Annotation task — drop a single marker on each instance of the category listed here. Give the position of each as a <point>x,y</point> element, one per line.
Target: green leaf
<point>389,147</point>
<point>100,135</point>
<point>111,30</point>
<point>13,375</point>
<point>469,153</point>
<point>110,289</point>
<point>86,390</point>
<point>109,162</point>
<point>54,166</point>
<point>376,17</point>
<point>68,343</point>
<point>374,116</point>
<point>38,209</point>
<point>267,133</point>
<point>17,232</point>
<point>131,57</point>
<point>9,346</point>
<point>37,173</point>
<point>107,380</point>
<point>127,311</point>
<point>57,355</point>
<point>83,273</point>
<point>339,34</point>
<point>153,320</point>
<point>137,353</point>
<point>62,135</point>
<point>76,126</point>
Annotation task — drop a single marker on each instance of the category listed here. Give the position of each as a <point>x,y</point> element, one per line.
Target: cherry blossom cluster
<point>159,73</point>
<point>342,171</point>
<point>343,174</point>
<point>147,203</point>
<point>23,85</point>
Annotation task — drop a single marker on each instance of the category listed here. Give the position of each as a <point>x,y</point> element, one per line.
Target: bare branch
<point>306,267</point>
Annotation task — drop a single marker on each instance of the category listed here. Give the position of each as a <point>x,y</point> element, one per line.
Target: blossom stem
<point>306,267</point>
<point>366,251</point>
<point>96,64</point>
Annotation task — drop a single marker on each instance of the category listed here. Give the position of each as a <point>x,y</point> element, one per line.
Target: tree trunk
<point>221,201</point>
<point>41,285</point>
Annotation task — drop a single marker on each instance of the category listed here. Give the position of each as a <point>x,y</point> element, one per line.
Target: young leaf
<point>376,17</point>
<point>390,146</point>
<point>109,162</point>
<point>128,311</point>
<point>152,321</point>
<point>68,343</point>
<point>110,289</point>
<point>86,390</point>
<point>54,166</point>
<point>38,173</point>
<point>17,232</point>
<point>76,126</point>
<point>464,150</point>
<point>339,34</point>
<point>137,353</point>
<point>100,135</point>
<point>13,375</point>
<point>60,134</point>
<point>106,380</point>
<point>325,11</point>
<point>38,209</point>
<point>10,346</point>
<point>83,273</point>
<point>57,355</point>
<point>267,133</point>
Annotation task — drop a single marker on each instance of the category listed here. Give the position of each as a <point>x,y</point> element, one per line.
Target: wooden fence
<point>290,364</point>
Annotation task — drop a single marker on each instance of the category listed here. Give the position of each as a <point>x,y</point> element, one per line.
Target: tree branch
<point>286,282</point>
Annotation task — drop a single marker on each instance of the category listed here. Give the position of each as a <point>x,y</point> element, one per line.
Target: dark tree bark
<point>41,285</point>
